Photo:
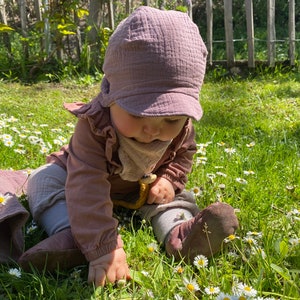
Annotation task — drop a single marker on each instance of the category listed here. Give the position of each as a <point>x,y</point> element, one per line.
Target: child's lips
<point>144,141</point>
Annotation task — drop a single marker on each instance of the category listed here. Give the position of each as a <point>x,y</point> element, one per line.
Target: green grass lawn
<point>248,156</point>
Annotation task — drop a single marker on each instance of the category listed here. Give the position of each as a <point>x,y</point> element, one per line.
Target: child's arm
<point>90,206</point>
<point>172,172</point>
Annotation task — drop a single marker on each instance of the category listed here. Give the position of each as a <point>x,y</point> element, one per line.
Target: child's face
<point>146,129</point>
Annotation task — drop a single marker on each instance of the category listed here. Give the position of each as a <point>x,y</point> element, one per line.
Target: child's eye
<point>135,117</point>
<point>172,120</point>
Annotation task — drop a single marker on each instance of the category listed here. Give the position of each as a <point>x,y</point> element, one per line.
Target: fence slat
<point>250,33</point>
<point>271,32</point>
<point>209,34</point>
<point>229,32</point>
<point>111,14</point>
<point>292,32</point>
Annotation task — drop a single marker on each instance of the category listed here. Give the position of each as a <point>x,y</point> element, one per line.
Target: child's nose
<point>152,129</point>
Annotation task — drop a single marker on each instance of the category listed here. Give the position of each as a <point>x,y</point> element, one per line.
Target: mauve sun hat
<point>155,65</point>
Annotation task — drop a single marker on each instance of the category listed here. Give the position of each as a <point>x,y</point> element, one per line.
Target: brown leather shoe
<point>203,234</point>
<point>58,251</point>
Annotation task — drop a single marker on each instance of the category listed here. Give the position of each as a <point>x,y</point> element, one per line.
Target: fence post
<point>6,38</point>
<point>229,32</point>
<point>111,14</point>
<point>47,27</point>
<point>127,7</point>
<point>209,34</point>
<point>250,33</point>
<point>22,4</point>
<point>271,32</point>
<point>292,32</point>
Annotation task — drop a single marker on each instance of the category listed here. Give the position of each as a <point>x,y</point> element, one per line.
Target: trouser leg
<point>46,197</point>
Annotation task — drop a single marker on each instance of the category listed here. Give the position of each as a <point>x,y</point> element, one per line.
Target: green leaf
<point>63,29</point>
<point>82,12</point>
<point>5,28</point>
<point>66,32</point>
<point>284,273</point>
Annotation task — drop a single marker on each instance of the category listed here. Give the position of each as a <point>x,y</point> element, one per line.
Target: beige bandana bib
<point>137,158</point>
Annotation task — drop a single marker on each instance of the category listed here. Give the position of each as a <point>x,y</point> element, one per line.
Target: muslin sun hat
<point>155,64</point>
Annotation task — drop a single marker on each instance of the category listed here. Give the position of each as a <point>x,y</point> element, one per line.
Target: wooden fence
<point>108,7</point>
<point>228,25</point>
<point>271,32</point>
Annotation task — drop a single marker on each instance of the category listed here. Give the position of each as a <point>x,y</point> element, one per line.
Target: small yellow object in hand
<point>144,182</point>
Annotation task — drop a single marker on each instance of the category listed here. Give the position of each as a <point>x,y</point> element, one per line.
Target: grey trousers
<point>47,203</point>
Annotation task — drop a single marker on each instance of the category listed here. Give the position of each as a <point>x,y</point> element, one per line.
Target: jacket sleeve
<point>178,162</point>
<point>88,194</point>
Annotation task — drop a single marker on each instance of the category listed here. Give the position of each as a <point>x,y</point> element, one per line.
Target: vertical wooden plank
<point>128,7</point>
<point>190,8</point>
<point>22,7</point>
<point>3,12</point>
<point>229,32</point>
<point>271,37</point>
<point>292,32</point>
<point>5,35</point>
<point>209,34</point>
<point>39,17</point>
<point>111,14</point>
<point>250,33</point>
<point>37,9</point>
<point>47,40</point>
<point>22,4</point>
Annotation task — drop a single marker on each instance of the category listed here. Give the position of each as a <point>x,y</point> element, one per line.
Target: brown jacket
<point>91,159</point>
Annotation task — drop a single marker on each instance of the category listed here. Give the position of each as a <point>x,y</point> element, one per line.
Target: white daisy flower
<point>250,241</point>
<point>243,289</point>
<point>241,180</point>
<point>200,261</point>
<point>250,145</point>
<point>223,296</point>
<point>15,272</point>
<point>294,242</point>
<point>230,151</point>
<point>152,247</point>
<point>3,199</point>
<point>191,284</point>
<point>212,290</point>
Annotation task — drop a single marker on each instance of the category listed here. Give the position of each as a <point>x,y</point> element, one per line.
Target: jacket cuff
<point>102,250</point>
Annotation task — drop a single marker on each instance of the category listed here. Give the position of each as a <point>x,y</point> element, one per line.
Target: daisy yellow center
<point>190,287</point>
<point>242,298</point>
<point>201,262</point>
<point>180,270</point>
<point>247,288</point>
<point>151,249</point>
<point>226,298</point>
<point>231,237</point>
<point>2,199</point>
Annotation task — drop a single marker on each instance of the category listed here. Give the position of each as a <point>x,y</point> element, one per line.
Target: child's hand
<point>109,268</point>
<point>161,192</point>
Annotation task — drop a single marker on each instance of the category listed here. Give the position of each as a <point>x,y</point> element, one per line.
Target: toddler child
<point>133,146</point>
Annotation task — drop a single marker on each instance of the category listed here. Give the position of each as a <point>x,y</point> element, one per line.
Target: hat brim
<point>162,104</point>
